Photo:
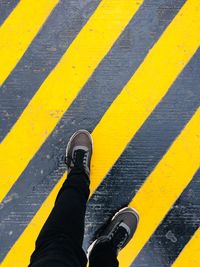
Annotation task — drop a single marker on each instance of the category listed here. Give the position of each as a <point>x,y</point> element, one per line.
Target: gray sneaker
<point>119,231</point>
<point>79,151</point>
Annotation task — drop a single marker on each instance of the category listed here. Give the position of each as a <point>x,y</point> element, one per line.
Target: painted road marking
<point>161,67</point>
<point>18,31</point>
<point>61,87</point>
<point>160,185</point>
<point>190,255</point>
<point>164,185</point>
<point>39,218</point>
<point>145,89</point>
<point>175,230</point>
<point>17,254</point>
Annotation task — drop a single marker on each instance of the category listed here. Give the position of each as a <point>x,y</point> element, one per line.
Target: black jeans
<point>59,243</point>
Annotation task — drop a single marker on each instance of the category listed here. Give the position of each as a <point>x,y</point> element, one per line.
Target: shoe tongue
<point>79,156</point>
<point>120,237</point>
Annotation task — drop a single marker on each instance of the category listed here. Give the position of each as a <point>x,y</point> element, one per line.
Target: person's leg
<point>103,255</point>
<point>59,243</point>
<point>60,240</point>
<point>115,236</point>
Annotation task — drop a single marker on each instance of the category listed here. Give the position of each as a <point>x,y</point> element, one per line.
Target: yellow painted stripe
<point>21,251</point>
<point>61,87</point>
<point>29,235</point>
<point>18,31</point>
<point>190,255</point>
<point>164,186</point>
<point>27,239</point>
<point>146,88</point>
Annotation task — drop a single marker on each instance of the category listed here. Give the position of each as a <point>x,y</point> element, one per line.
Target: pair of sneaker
<point>122,226</point>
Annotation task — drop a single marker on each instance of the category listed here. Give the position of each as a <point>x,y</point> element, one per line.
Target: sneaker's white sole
<point>90,249</point>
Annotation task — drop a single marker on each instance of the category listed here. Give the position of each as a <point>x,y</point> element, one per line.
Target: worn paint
<point>151,141</point>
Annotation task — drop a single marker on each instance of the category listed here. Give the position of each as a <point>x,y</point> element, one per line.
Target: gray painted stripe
<point>115,70</point>
<point>6,8</point>
<point>50,44</point>
<point>147,148</point>
<point>175,231</point>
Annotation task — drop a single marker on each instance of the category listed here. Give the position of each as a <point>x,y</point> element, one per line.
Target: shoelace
<point>68,161</point>
<point>118,237</point>
<point>73,160</point>
<point>85,159</point>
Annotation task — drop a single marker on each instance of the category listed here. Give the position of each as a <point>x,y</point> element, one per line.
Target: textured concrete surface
<point>140,156</point>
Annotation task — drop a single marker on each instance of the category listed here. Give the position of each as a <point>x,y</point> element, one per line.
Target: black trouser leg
<point>103,256</point>
<point>59,243</point>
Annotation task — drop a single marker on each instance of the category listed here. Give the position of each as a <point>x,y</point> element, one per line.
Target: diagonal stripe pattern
<point>137,101</point>
<point>62,86</point>
<point>190,255</point>
<point>18,31</point>
<point>175,231</point>
<point>145,89</point>
<point>27,239</point>
<point>164,185</point>
<point>152,201</point>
